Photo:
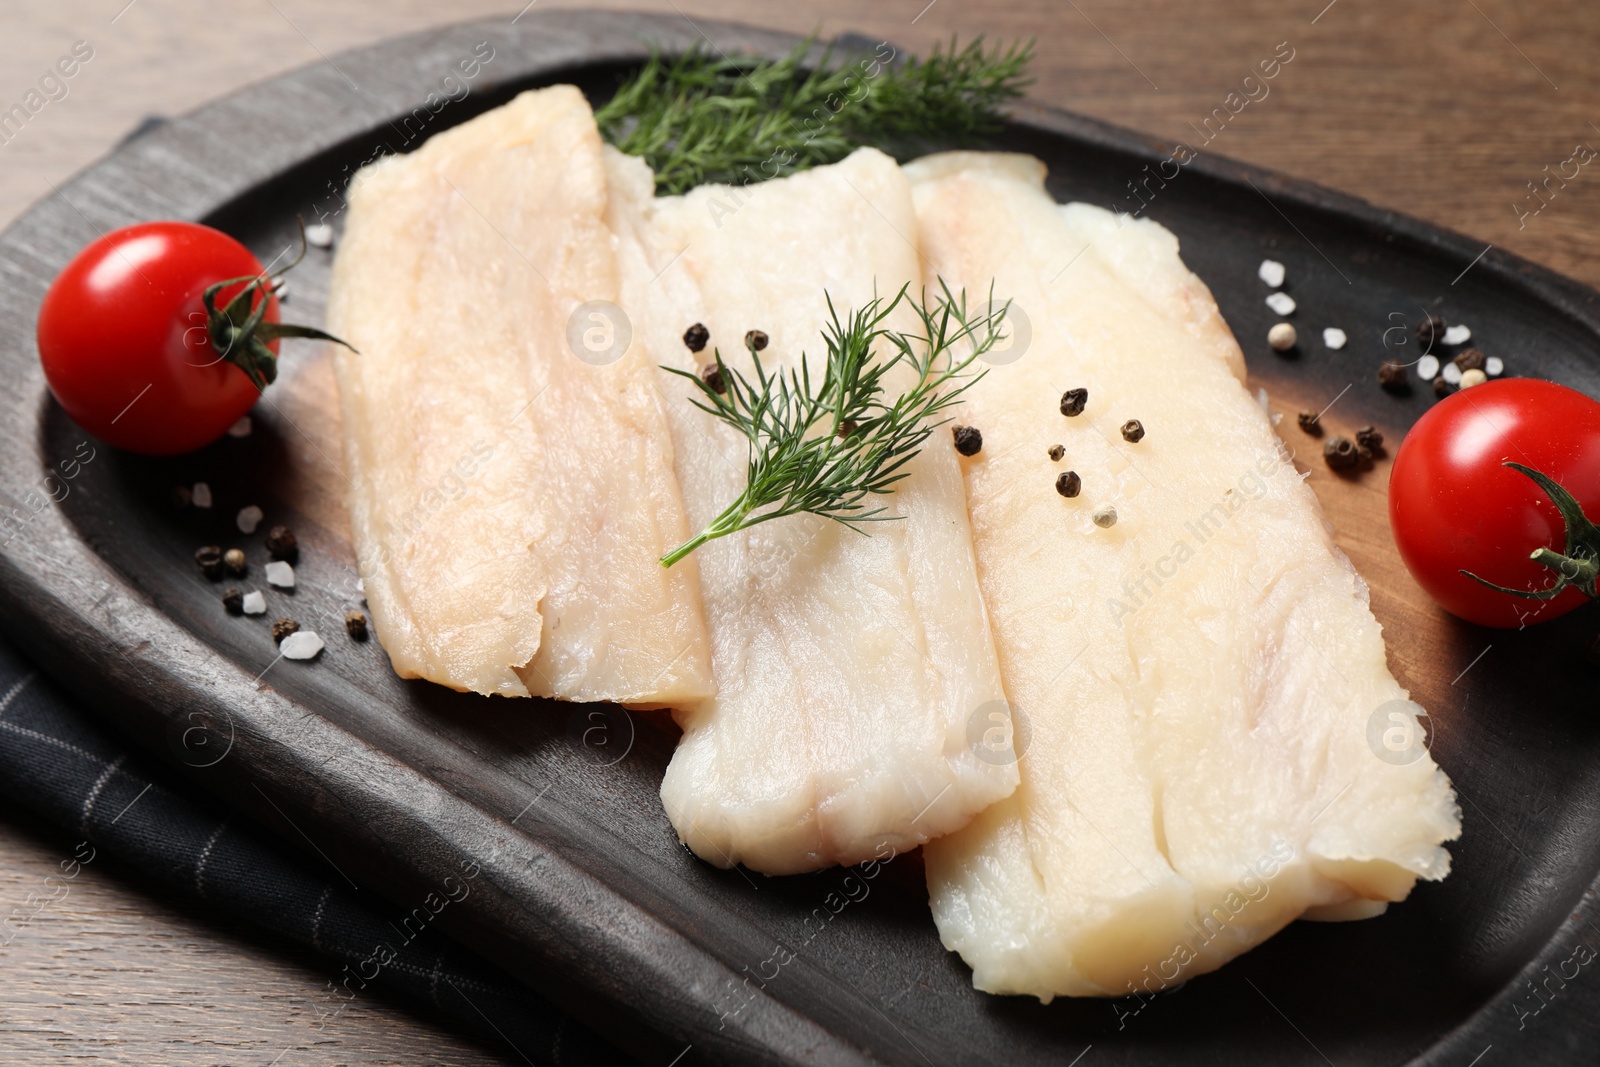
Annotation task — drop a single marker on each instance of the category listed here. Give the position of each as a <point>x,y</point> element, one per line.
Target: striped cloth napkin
<point>56,761</point>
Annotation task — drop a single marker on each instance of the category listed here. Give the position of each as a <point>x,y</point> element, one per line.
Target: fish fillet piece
<point>1198,679</point>
<point>848,667</point>
<point>509,500</point>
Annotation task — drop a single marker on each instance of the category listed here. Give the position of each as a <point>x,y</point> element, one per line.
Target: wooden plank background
<point>1446,111</point>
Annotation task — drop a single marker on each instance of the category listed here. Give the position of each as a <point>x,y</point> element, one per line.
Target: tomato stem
<point>238,332</point>
<point>1576,568</point>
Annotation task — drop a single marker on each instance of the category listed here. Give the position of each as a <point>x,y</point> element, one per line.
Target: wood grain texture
<point>1415,105</point>
<point>1429,111</point>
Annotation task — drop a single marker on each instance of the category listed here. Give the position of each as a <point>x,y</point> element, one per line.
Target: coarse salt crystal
<point>1494,365</point>
<point>1334,338</point>
<point>248,519</point>
<point>201,495</point>
<point>1457,335</point>
<point>1262,399</point>
<point>1282,303</point>
<point>319,235</point>
<point>280,574</point>
<point>255,603</point>
<point>1428,368</point>
<point>1271,272</point>
<point>302,644</point>
<point>1452,373</point>
<point>282,290</point>
<point>240,428</point>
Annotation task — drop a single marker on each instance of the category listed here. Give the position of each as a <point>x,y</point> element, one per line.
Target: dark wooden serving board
<point>580,885</point>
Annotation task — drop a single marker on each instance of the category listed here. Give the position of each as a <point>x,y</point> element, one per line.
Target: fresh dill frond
<point>824,447</point>
<point>705,117</point>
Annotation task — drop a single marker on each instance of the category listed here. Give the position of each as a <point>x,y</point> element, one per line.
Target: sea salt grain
<point>248,519</point>
<point>302,644</point>
<point>280,574</point>
<point>1271,272</point>
<point>240,428</point>
<point>1457,335</point>
<point>255,603</point>
<point>1334,338</point>
<point>1494,365</point>
<point>1282,303</point>
<point>319,235</point>
<point>201,496</point>
<point>1428,368</point>
<point>1452,373</point>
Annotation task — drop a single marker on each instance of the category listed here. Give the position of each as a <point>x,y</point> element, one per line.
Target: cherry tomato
<point>124,341</point>
<point>1454,505</point>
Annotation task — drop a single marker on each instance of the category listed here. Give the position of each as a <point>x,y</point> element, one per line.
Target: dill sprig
<point>824,448</point>
<point>710,118</point>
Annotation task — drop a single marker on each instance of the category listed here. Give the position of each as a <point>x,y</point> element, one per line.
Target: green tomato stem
<point>1576,568</point>
<point>238,331</point>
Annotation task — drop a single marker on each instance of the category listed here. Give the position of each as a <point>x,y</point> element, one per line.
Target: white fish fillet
<point>1200,677</point>
<point>509,501</point>
<point>848,666</point>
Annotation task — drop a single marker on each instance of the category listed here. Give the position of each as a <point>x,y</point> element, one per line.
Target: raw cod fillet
<point>848,667</point>
<point>1199,677</point>
<point>508,500</point>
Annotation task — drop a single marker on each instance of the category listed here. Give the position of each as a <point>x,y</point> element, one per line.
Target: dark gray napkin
<point>58,763</point>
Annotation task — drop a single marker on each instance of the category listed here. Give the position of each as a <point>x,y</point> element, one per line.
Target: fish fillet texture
<point>1198,680</point>
<point>509,500</point>
<point>848,667</point>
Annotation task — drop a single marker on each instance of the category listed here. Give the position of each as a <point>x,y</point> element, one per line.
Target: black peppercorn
<point>209,558</point>
<point>1341,453</point>
<point>1133,431</point>
<point>283,628</point>
<point>1073,401</point>
<point>696,337</point>
<point>755,340</point>
<point>282,544</point>
<point>1056,452</point>
<point>711,374</point>
<point>1442,387</point>
<point>1311,423</point>
<point>355,624</point>
<point>1392,376</point>
<point>1430,331</point>
<point>969,440</point>
<point>1470,359</point>
<point>1370,439</point>
<point>233,602</point>
<point>845,429</point>
<point>1068,483</point>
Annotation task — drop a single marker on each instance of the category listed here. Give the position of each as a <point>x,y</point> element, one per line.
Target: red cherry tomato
<point>124,343</point>
<point>1454,506</point>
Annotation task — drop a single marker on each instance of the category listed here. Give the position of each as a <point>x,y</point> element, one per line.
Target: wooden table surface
<point>1444,111</point>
